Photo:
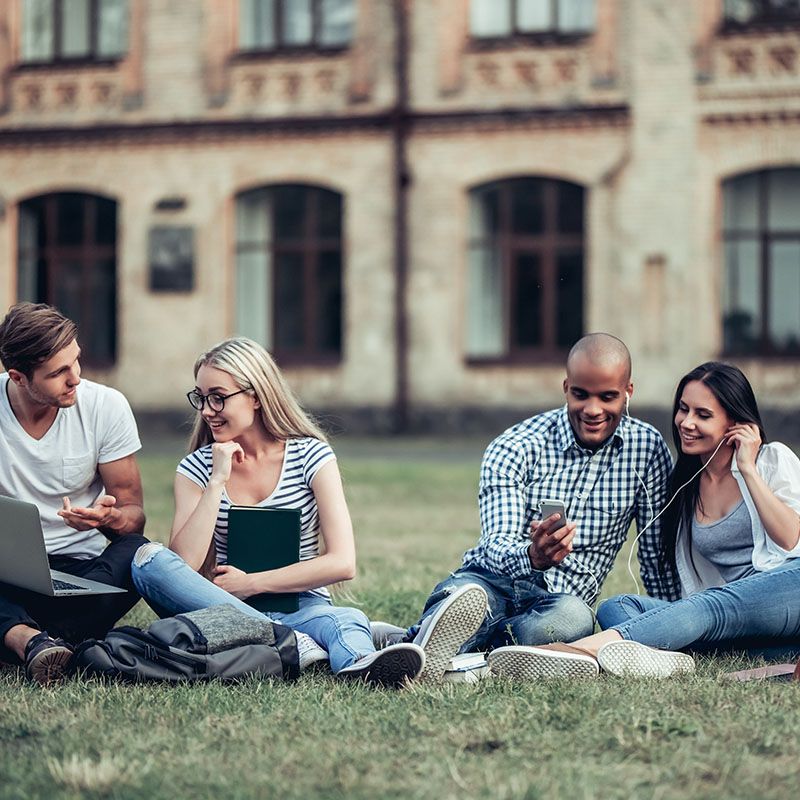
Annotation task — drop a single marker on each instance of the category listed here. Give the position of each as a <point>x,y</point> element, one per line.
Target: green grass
<point>697,737</point>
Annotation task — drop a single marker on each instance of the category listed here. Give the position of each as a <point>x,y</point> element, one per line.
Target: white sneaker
<point>634,660</point>
<point>384,633</point>
<point>309,651</point>
<point>444,632</point>
<point>522,663</point>
<point>391,667</point>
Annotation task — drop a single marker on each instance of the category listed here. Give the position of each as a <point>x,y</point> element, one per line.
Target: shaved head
<point>602,350</point>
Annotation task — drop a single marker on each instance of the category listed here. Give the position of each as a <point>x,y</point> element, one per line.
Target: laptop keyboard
<point>57,585</point>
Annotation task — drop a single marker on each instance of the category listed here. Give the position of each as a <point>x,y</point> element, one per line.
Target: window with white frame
<point>491,19</point>
<point>74,30</point>
<point>761,286</point>
<point>525,269</point>
<point>287,24</point>
<point>289,271</point>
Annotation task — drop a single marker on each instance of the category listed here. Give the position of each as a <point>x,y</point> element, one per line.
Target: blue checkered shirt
<point>540,458</point>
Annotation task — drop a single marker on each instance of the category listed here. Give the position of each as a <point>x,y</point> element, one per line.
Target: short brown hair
<point>31,333</point>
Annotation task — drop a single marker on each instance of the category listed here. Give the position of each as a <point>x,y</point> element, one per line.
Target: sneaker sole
<point>532,665</point>
<point>458,623</point>
<point>50,665</point>
<point>391,669</point>
<point>632,659</point>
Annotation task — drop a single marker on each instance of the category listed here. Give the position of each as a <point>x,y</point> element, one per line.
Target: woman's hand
<point>746,438</point>
<point>223,454</point>
<point>234,581</point>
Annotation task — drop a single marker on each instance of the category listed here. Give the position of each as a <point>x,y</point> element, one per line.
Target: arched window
<point>525,287</point>
<point>761,288</point>
<point>68,258</point>
<point>289,271</point>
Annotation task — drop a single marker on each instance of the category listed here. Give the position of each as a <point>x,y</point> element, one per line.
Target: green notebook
<point>260,539</point>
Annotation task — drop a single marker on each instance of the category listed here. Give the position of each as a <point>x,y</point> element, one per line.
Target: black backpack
<point>219,642</point>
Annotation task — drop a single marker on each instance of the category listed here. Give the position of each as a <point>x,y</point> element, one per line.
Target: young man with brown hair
<point>66,445</point>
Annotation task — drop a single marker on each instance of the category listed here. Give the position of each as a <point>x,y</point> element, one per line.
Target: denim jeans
<point>759,614</point>
<point>171,586</point>
<point>521,611</point>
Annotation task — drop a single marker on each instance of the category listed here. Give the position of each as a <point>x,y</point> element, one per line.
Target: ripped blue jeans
<point>521,610</point>
<point>171,586</point>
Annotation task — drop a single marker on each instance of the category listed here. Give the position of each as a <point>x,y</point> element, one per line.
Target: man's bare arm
<point>120,510</point>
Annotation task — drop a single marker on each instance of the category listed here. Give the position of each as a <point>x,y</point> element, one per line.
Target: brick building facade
<point>417,205</point>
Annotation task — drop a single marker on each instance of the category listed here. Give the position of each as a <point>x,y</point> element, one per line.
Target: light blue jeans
<point>171,586</point>
<point>521,610</point>
<point>759,614</point>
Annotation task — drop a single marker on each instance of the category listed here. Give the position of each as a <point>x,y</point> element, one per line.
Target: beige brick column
<point>661,296</point>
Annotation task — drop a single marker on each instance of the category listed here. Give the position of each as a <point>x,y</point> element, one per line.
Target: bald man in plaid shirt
<point>541,577</point>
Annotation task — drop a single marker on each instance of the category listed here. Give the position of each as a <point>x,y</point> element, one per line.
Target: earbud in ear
<point>627,403</point>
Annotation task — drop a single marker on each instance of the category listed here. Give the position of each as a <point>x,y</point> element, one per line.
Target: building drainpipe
<point>402,181</point>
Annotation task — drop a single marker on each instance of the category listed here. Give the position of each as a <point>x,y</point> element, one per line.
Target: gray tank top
<point>727,543</point>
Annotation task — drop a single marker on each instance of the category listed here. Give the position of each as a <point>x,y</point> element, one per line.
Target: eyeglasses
<point>216,402</point>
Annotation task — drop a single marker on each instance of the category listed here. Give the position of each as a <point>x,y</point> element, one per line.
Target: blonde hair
<point>254,370</point>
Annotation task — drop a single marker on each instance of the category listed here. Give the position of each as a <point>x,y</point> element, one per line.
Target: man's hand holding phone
<point>551,538</point>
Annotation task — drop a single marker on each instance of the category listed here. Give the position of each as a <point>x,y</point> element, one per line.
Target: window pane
<point>484,213</point>
<point>740,11</point>
<point>66,292</point>
<point>527,206</point>
<point>742,297</point>
<point>290,212</point>
<point>485,303</point>
<point>254,296</point>
<point>329,302</point>
<point>297,22</point>
<point>254,218</point>
<point>71,216</point>
<point>75,28</point>
<point>576,16</point>
<point>289,306</point>
<point>37,30</point>
<point>784,296</point>
<point>570,208</point>
<point>535,15</point>
<point>740,200</point>
<point>569,298</point>
<point>338,17</point>
<point>112,34</point>
<point>330,214</point>
<point>490,17</point>
<point>106,220</point>
<point>783,211</point>
<point>528,297</point>
<point>256,24</point>
<point>99,340</point>
<point>27,270</point>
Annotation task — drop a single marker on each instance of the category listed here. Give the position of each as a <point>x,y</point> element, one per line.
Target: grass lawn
<point>697,737</point>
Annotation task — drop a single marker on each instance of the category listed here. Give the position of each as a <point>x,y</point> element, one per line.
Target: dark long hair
<point>735,394</point>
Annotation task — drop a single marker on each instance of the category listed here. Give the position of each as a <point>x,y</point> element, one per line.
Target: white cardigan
<point>780,469</point>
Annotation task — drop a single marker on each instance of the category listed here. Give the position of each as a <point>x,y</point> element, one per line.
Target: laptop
<point>23,557</point>
<point>262,538</point>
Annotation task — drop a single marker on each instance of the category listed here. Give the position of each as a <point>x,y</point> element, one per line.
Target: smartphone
<point>550,507</point>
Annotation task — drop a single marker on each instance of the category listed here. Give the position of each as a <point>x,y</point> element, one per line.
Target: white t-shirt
<point>97,429</point>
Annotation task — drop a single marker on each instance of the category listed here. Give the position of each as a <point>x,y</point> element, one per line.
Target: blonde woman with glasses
<point>253,445</point>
